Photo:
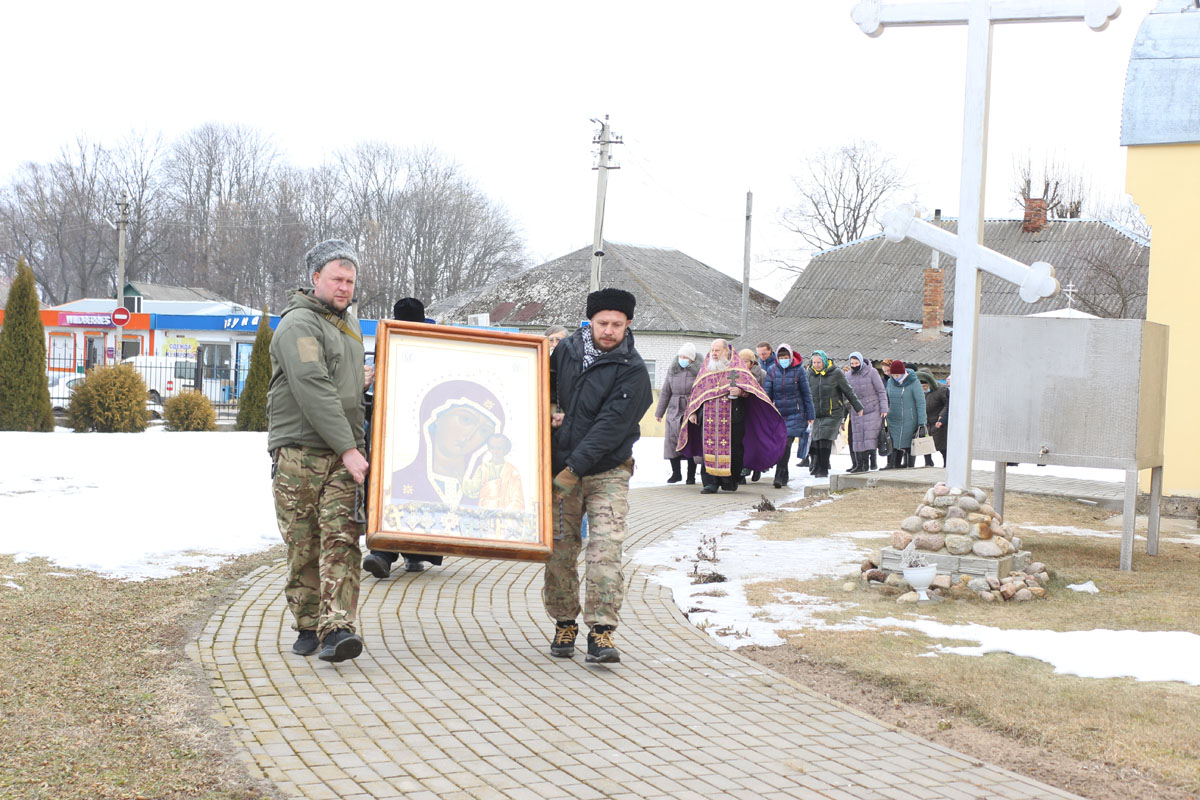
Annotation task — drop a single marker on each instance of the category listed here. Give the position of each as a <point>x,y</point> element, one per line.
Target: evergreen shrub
<point>24,390</point>
<point>252,405</point>
<point>189,411</point>
<point>110,400</point>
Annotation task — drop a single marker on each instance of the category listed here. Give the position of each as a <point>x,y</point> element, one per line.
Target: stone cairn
<point>976,553</point>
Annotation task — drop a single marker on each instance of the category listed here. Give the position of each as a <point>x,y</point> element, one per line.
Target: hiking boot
<point>377,565</point>
<point>601,649</point>
<point>341,645</point>
<point>306,643</point>
<point>563,643</point>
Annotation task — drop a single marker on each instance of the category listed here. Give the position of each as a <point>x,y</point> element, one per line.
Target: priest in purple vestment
<point>731,423</point>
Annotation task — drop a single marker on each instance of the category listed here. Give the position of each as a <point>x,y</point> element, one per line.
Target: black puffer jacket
<point>602,405</point>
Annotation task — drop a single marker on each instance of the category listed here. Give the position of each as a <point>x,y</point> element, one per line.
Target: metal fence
<point>165,377</point>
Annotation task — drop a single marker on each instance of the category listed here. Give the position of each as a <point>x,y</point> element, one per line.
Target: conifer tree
<point>24,390</point>
<point>252,405</point>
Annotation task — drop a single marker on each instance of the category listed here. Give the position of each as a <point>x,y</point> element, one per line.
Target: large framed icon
<point>460,443</point>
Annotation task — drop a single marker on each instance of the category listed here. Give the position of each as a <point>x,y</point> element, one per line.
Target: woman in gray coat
<point>672,402</point>
<point>864,429</point>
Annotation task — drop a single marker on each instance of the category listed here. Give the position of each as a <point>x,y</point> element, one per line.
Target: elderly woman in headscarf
<point>906,412</point>
<point>864,428</point>
<point>672,400</point>
<point>936,398</point>
<point>787,387</point>
<point>830,394</point>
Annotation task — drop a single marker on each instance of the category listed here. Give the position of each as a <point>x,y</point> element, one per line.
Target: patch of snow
<point>1141,655</point>
<point>1069,530</point>
<point>12,585</point>
<point>1088,587</point>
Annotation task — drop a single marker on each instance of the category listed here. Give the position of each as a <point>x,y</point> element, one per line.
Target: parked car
<point>61,389</point>
<point>167,376</point>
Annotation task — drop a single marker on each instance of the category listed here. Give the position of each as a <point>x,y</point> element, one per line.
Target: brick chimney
<point>1035,215</point>
<point>933,306</point>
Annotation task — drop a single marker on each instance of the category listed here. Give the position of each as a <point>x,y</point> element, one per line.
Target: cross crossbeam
<point>872,16</point>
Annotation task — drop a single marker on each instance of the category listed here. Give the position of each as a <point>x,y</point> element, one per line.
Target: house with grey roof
<point>679,299</point>
<point>896,299</point>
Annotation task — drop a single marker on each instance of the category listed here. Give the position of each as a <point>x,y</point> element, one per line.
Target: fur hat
<point>897,367</point>
<point>610,300</point>
<point>409,309</point>
<point>329,250</point>
<point>688,351</point>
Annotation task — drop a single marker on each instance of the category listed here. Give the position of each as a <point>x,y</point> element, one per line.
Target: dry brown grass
<point>1151,729</point>
<point>99,700</point>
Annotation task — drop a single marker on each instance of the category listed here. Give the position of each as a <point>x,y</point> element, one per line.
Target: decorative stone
<point>875,557</point>
<point>1022,595</point>
<point>998,530</point>
<point>997,596</point>
<point>975,518</point>
<point>929,512</point>
<point>897,580</point>
<point>980,495</point>
<point>958,545</point>
<point>956,513</point>
<point>968,503</point>
<point>941,582</point>
<point>1003,544</point>
<point>848,587</point>
<point>979,585</point>
<point>958,526</point>
<point>955,492</point>
<point>985,508</point>
<point>1008,591</point>
<point>943,501</point>
<point>981,532</point>
<point>900,539</point>
<point>908,597</point>
<point>931,526</point>
<point>1016,542</point>
<point>940,490</point>
<point>912,524</point>
<point>865,565</point>
<point>987,548</point>
<point>1037,592</point>
<point>929,541</point>
<point>929,495</point>
<point>987,597</point>
<point>1035,567</point>
<point>1043,578</point>
<point>993,582</point>
<point>875,575</point>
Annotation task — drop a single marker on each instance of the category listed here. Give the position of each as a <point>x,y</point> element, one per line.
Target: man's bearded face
<point>718,355</point>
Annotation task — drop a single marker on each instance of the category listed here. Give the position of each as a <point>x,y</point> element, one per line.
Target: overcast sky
<point>712,99</point>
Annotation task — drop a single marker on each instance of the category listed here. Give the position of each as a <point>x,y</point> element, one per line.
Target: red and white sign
<point>120,317</point>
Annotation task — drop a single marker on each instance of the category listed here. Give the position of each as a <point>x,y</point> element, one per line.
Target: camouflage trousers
<point>605,498</point>
<point>314,505</point>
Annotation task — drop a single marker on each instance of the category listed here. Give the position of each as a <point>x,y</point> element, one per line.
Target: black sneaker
<point>377,565</point>
<point>341,645</point>
<point>709,489</point>
<point>563,643</point>
<point>415,565</point>
<point>306,643</point>
<point>601,649</point>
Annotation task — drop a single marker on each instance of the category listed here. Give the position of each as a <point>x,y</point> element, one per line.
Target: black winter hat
<point>610,300</point>
<point>409,309</point>
<point>330,250</point>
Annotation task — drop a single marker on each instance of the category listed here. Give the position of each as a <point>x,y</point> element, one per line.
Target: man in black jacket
<point>599,390</point>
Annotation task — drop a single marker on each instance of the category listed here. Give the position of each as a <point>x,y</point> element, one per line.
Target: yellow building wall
<point>1165,183</point>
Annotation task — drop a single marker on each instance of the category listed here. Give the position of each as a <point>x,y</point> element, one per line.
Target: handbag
<point>922,443</point>
<point>884,441</point>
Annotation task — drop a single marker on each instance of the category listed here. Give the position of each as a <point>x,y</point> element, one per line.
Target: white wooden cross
<point>1037,281</point>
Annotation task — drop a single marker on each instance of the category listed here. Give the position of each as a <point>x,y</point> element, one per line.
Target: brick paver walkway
<point>455,696</point>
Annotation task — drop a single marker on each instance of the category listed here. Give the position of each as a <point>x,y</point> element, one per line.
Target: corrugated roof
<point>161,291</point>
<point>1162,85</point>
<point>875,339</point>
<point>873,278</point>
<point>674,292</point>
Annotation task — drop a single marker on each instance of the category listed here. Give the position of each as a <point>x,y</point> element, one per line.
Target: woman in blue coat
<point>787,386</point>
<point>906,412</point>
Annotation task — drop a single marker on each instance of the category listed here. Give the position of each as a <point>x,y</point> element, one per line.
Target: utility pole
<point>122,222</point>
<point>605,139</point>
<point>746,267</point>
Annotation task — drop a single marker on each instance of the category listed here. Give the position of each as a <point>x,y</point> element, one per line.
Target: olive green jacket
<point>316,394</point>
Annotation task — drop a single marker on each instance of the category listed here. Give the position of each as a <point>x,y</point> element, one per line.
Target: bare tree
<point>1066,190</point>
<point>842,191</point>
<point>1109,278</point>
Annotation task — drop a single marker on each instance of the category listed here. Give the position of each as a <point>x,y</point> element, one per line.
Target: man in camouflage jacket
<point>316,440</point>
